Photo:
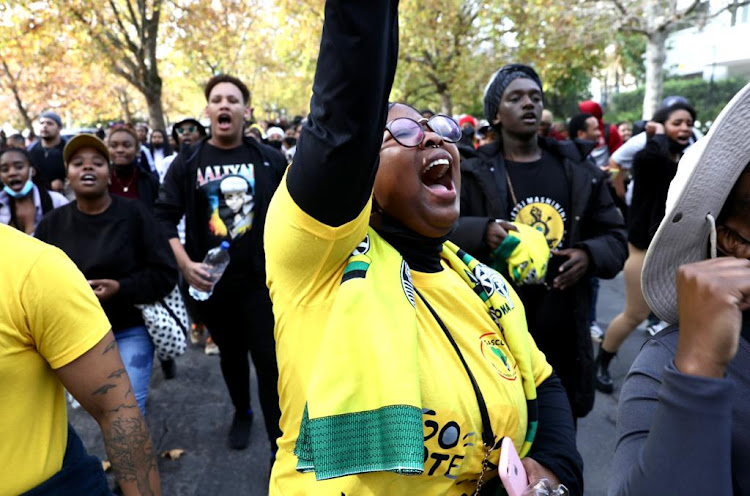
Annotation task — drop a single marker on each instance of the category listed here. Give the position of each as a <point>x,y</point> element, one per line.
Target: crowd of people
<point>441,271</point>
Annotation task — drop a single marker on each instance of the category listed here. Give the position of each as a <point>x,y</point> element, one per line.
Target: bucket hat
<point>705,177</point>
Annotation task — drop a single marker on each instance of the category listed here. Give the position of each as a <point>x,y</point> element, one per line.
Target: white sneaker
<point>654,329</point>
<point>196,333</point>
<point>596,332</point>
<point>211,347</point>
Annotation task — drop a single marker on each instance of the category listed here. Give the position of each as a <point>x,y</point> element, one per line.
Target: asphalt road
<point>192,412</point>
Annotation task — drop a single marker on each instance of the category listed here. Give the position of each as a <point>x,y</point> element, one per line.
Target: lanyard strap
<point>488,437</point>
<point>510,187</point>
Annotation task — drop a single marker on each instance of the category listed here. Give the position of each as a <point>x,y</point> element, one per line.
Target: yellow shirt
<point>49,316</point>
<point>305,263</point>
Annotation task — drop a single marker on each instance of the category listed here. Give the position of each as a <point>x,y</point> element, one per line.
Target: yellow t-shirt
<point>49,316</point>
<point>305,263</point>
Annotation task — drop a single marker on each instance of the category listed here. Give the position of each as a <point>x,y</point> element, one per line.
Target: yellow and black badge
<point>545,215</point>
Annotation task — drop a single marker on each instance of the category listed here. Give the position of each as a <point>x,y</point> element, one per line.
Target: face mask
<point>676,147</point>
<point>24,191</point>
<point>275,144</point>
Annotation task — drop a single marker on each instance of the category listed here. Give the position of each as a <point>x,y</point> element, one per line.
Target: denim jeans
<point>81,473</point>
<point>594,297</point>
<point>137,352</point>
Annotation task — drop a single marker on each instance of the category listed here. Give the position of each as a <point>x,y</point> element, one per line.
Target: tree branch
<point>630,22</point>
<point>130,43</point>
<point>134,19</point>
<point>728,7</point>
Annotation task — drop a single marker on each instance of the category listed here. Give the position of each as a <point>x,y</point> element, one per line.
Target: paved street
<point>193,412</point>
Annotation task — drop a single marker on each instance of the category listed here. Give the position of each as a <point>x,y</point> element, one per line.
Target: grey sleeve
<point>673,430</point>
<point>624,155</point>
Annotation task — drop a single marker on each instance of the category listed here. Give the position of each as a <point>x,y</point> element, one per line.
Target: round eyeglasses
<point>410,133</point>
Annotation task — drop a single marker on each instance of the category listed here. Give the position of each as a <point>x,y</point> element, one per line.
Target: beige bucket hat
<point>704,179</point>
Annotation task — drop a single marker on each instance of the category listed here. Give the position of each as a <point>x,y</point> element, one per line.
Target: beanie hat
<point>275,131</point>
<point>467,119</point>
<point>591,107</point>
<point>52,116</point>
<point>499,81</point>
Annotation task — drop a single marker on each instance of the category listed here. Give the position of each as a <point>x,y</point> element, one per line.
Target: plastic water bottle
<point>216,262</point>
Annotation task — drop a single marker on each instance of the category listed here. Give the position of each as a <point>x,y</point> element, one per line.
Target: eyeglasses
<point>186,129</point>
<point>410,133</point>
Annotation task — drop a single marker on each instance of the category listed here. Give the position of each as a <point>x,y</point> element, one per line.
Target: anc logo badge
<point>545,215</point>
<point>494,350</point>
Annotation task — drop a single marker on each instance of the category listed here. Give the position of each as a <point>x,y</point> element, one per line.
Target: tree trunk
<point>155,109</point>
<point>124,99</point>
<point>22,110</point>
<point>13,86</point>
<point>656,55</point>
<point>446,103</point>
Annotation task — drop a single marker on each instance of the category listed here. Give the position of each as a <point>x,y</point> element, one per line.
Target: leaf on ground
<point>173,454</point>
<point>106,466</point>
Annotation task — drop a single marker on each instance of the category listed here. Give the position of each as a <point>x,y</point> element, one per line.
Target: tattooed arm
<point>97,379</point>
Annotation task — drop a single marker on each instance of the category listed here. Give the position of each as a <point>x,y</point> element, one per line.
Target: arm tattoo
<point>104,389</point>
<point>117,374</point>
<point>111,346</point>
<point>127,407</point>
<point>131,452</point>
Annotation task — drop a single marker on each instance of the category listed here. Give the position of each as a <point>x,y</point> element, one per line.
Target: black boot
<point>604,382</point>
<point>169,367</point>
<point>239,432</point>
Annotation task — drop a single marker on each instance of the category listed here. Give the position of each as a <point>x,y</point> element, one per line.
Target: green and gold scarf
<point>364,408</point>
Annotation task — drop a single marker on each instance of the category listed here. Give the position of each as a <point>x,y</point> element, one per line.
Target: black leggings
<point>239,323</point>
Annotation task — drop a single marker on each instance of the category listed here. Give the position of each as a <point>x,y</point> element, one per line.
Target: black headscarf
<point>500,81</point>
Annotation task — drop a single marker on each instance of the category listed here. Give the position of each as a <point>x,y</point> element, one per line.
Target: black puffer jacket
<point>594,225</point>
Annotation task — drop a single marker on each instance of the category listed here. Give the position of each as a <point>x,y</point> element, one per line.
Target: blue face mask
<point>24,191</point>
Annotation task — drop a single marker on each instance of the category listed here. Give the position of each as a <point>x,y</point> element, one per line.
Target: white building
<point>718,50</point>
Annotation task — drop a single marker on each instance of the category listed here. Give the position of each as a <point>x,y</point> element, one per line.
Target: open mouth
<point>529,118</point>
<point>224,121</point>
<point>436,175</point>
<point>88,179</point>
<point>15,184</point>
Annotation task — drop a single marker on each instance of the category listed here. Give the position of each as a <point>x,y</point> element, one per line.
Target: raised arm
<point>334,168</point>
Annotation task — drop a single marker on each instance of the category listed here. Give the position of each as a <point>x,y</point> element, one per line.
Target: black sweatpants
<point>242,322</point>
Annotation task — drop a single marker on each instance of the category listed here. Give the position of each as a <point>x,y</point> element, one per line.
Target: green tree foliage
<point>630,48</point>
<point>708,98</point>
<point>163,51</point>
<point>43,66</point>
<point>125,33</point>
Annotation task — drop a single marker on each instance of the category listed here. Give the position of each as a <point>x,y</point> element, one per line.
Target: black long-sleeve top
<point>337,157</point>
<point>653,171</point>
<point>122,243</point>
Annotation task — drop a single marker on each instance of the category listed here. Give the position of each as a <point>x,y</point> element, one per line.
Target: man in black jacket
<point>223,186</point>
<point>47,153</point>
<point>546,184</point>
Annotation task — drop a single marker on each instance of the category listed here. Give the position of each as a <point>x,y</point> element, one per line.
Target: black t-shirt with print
<point>226,179</point>
<point>543,195</point>
<point>543,201</point>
